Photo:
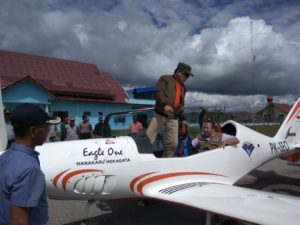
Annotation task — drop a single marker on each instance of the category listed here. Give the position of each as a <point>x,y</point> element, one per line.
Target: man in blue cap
<point>22,183</point>
<point>169,108</point>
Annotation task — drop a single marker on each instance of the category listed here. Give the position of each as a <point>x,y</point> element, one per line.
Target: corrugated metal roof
<point>61,76</point>
<point>285,108</point>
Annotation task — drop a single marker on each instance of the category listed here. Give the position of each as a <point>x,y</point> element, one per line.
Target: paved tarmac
<point>276,176</point>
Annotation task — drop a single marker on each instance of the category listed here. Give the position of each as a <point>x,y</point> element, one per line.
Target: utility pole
<point>252,75</point>
<point>224,112</point>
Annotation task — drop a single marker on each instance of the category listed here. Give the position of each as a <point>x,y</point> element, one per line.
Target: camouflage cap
<point>185,68</point>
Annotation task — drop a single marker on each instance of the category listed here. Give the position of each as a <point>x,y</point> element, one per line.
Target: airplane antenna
<point>252,74</point>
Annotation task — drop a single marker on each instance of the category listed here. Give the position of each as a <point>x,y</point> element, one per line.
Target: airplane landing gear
<point>212,219</point>
<point>88,205</point>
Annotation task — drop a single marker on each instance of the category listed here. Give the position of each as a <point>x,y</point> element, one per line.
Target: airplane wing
<point>237,202</point>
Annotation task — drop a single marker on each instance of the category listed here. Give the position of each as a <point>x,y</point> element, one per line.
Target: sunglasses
<point>185,73</point>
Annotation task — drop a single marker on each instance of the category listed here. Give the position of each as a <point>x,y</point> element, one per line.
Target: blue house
<point>66,88</point>
<point>140,98</point>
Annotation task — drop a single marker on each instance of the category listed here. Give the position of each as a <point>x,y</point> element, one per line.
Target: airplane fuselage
<point>112,168</point>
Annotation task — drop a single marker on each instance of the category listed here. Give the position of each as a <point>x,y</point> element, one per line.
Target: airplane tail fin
<point>290,128</point>
<point>3,134</point>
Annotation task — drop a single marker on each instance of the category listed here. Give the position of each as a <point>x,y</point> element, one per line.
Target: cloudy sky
<point>137,41</point>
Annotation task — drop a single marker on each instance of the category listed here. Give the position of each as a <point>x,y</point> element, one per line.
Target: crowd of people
<point>69,130</point>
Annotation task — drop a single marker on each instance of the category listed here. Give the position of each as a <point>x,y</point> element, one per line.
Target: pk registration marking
<point>279,147</point>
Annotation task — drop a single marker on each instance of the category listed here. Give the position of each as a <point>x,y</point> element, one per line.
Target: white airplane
<point>123,167</point>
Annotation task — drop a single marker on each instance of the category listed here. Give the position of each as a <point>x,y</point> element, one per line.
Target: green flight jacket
<point>214,142</point>
<point>165,95</point>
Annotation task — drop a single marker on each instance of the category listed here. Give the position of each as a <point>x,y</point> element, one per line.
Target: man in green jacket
<point>169,108</point>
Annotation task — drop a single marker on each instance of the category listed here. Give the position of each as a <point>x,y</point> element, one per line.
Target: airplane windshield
<point>229,129</point>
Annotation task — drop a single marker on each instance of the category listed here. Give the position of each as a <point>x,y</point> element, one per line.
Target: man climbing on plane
<point>169,108</point>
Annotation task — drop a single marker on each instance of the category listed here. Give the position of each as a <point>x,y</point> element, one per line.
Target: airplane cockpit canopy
<point>229,128</point>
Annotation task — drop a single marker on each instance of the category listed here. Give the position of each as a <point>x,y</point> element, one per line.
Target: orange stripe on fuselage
<point>74,173</point>
<point>169,175</point>
<point>296,109</point>
<point>133,182</point>
<point>56,178</point>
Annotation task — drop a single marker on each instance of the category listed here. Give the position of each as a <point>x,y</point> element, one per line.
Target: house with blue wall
<point>66,88</point>
<point>141,98</point>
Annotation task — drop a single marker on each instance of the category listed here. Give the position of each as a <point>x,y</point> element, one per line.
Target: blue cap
<point>31,115</point>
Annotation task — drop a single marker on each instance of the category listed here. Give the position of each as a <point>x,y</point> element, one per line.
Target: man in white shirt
<point>9,127</point>
<point>72,130</point>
